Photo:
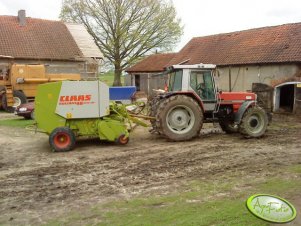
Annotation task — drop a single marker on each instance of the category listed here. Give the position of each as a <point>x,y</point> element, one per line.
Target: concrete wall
<point>148,81</point>
<point>242,77</point>
<point>128,80</point>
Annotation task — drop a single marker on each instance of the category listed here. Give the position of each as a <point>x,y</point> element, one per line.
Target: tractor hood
<point>230,97</point>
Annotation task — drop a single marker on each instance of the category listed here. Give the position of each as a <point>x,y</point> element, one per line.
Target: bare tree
<point>125,30</point>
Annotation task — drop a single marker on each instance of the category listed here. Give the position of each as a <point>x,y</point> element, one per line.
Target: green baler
<point>69,109</point>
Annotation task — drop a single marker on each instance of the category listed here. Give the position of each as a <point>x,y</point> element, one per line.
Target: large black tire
<point>254,123</point>
<point>62,139</point>
<point>228,126</point>
<point>1,94</point>
<point>153,107</point>
<point>19,98</point>
<point>179,118</point>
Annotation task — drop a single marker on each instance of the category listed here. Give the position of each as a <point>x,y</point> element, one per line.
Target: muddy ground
<point>37,184</point>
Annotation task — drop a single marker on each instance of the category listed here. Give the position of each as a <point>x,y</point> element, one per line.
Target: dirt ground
<point>37,184</point>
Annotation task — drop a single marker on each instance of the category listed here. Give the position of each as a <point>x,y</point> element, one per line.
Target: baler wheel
<point>62,139</point>
<point>122,139</point>
<point>254,123</point>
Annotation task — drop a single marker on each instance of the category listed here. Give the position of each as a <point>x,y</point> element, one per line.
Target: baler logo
<point>75,99</point>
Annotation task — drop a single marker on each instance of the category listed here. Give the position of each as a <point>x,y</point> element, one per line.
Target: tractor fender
<point>239,114</point>
<point>187,93</point>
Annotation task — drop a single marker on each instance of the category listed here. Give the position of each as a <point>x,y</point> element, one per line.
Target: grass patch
<point>108,78</point>
<point>196,203</point>
<point>295,169</point>
<point>19,122</point>
<point>182,212</point>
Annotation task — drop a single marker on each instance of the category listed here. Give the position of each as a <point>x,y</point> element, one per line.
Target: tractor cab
<point>199,79</point>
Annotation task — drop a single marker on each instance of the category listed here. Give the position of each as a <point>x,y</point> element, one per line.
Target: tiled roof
<point>275,44</point>
<point>153,63</point>
<point>38,39</point>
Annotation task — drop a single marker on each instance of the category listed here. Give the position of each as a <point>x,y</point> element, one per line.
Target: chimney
<point>22,17</point>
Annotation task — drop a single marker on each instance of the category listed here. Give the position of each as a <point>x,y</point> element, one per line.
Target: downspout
<point>230,82</point>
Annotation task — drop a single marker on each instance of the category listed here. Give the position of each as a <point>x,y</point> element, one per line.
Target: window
<point>201,82</point>
<point>175,81</point>
<point>137,82</point>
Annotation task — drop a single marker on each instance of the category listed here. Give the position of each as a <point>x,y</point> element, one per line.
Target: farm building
<point>145,75</point>
<point>268,55</point>
<point>63,48</point>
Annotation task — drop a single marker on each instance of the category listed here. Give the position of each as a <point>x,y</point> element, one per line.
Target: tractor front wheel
<point>228,126</point>
<point>179,118</point>
<point>62,139</point>
<point>254,123</point>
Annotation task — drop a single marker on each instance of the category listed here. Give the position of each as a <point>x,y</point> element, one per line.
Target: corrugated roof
<point>275,44</point>
<point>38,39</point>
<point>153,63</point>
<point>84,40</point>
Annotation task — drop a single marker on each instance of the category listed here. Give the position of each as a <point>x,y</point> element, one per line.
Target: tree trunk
<point>117,75</point>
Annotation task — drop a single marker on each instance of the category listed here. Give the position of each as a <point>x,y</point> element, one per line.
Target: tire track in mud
<point>135,168</point>
<point>146,163</point>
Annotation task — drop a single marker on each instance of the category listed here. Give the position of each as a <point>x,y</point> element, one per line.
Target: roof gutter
<point>6,57</point>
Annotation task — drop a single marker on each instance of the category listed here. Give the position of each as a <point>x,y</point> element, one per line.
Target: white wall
<point>242,77</point>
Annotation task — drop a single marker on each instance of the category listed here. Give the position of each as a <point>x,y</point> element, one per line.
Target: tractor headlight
<point>22,109</point>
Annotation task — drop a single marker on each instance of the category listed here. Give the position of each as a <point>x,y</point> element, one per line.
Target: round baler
<point>67,110</point>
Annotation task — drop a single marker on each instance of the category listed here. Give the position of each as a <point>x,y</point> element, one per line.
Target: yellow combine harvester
<point>18,82</point>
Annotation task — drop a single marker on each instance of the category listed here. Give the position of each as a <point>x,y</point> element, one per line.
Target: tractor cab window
<point>175,81</point>
<point>201,82</point>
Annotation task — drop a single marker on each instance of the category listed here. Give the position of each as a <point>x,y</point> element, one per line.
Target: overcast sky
<point>199,17</point>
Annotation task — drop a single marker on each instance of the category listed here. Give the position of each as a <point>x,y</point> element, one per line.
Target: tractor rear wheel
<point>62,139</point>
<point>228,126</point>
<point>254,122</point>
<point>179,118</point>
<point>153,107</point>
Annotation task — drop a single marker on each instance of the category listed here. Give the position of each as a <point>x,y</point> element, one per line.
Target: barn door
<point>137,82</point>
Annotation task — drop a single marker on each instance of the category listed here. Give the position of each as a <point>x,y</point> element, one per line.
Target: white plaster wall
<point>242,77</point>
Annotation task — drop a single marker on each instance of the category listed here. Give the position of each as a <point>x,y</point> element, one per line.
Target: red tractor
<point>193,99</point>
